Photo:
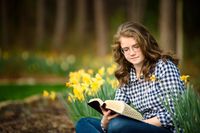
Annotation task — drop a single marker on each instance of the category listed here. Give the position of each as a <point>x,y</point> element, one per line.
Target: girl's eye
<point>125,49</point>
<point>136,46</point>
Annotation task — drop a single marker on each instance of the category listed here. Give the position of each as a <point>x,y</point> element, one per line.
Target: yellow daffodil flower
<point>80,72</point>
<point>153,78</point>
<point>96,84</point>
<point>101,71</point>
<point>95,87</point>
<point>90,71</point>
<point>98,77</point>
<point>45,93</point>
<point>84,87</point>
<point>68,84</point>
<point>185,78</point>
<point>52,95</point>
<point>86,78</point>
<point>78,93</point>
<point>69,98</point>
<point>114,83</point>
<point>111,69</point>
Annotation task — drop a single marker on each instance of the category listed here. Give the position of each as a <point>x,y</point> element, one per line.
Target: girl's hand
<point>107,116</point>
<point>153,121</point>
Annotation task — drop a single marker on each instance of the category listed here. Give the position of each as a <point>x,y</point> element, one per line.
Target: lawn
<point>13,91</point>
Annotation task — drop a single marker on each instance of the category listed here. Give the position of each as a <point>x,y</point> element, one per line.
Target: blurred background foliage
<point>41,41</point>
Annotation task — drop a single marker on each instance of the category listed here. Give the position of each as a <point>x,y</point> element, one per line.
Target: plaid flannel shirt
<point>148,97</point>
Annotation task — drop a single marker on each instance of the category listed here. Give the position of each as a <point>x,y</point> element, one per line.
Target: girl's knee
<point>88,125</point>
<point>115,125</point>
<point>80,122</point>
<point>85,122</point>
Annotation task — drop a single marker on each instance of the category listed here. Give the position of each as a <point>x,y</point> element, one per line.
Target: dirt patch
<point>34,115</point>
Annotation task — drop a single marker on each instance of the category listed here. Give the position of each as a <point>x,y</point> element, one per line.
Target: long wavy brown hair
<point>148,46</point>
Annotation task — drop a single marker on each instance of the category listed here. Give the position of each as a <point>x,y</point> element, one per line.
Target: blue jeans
<point>119,124</point>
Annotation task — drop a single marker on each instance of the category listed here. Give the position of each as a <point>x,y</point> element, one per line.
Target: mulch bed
<point>34,115</point>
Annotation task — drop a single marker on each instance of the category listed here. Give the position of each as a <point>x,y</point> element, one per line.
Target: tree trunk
<point>136,10</point>
<point>4,25</point>
<point>60,24</point>
<point>40,22</point>
<point>100,27</point>
<point>180,48</point>
<point>168,25</point>
<point>81,19</point>
<point>22,31</point>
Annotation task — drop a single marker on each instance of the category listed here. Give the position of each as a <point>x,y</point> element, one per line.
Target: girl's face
<point>131,50</point>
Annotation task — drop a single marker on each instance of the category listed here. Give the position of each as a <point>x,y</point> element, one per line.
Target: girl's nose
<point>132,51</point>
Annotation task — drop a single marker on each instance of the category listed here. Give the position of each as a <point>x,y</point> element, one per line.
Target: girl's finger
<point>107,113</point>
<point>112,116</point>
<point>103,111</point>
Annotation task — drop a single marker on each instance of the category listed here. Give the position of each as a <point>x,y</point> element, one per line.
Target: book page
<point>97,100</point>
<point>123,109</point>
<point>117,106</point>
<point>131,112</point>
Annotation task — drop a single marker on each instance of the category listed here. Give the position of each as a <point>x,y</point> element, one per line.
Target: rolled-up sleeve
<point>170,86</point>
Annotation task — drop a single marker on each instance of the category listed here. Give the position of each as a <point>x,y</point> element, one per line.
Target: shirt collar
<point>133,77</point>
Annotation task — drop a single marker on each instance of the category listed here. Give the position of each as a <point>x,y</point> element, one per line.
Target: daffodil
<point>101,71</point>
<point>6,55</point>
<point>84,87</point>
<point>80,72</point>
<point>85,84</point>
<point>74,78</point>
<point>25,55</point>
<point>45,93</point>
<point>111,69</point>
<point>185,78</point>
<point>49,61</point>
<point>153,78</point>
<point>70,97</point>
<point>97,82</point>
<point>86,78</point>
<point>98,77</point>
<point>68,84</point>
<point>78,93</point>
<point>52,95</point>
<point>95,86</point>
<point>114,83</point>
<point>90,71</point>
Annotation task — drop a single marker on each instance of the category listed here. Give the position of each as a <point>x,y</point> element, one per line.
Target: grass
<point>14,92</point>
<point>186,111</point>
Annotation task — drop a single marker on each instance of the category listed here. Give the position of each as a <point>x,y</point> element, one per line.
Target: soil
<point>34,115</point>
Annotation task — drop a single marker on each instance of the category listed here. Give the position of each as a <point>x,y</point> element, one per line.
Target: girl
<point>148,78</point>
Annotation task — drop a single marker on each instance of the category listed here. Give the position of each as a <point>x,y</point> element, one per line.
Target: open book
<point>116,107</point>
